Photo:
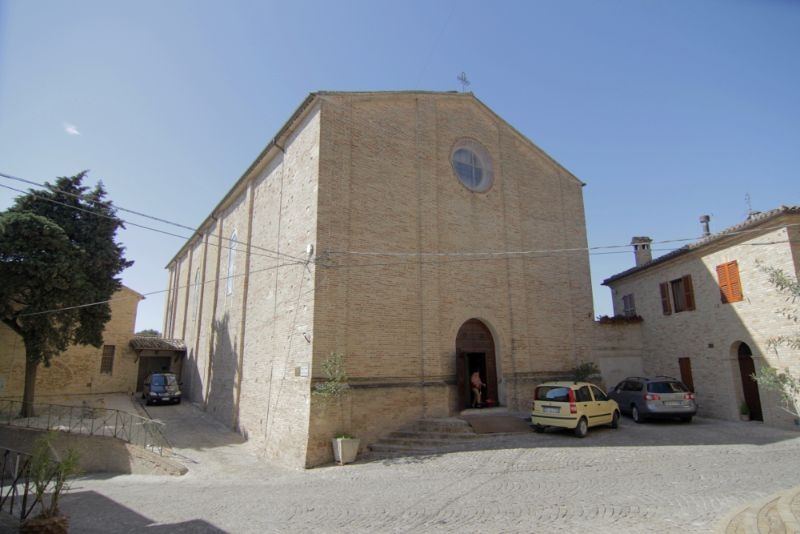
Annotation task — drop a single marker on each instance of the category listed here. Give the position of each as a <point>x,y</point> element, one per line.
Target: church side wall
<point>280,306</point>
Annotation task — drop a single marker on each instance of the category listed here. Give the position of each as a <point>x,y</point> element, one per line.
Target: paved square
<point>655,477</point>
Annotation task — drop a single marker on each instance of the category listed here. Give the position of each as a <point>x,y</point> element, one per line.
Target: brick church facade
<point>417,234</point>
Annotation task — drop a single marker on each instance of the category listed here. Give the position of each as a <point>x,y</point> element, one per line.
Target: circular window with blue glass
<point>472,165</point>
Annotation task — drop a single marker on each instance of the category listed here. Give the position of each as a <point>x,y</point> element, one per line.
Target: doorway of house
<point>749,386</point>
<point>475,352</point>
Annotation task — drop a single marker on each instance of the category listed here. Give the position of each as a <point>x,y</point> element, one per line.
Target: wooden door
<point>749,386</point>
<point>686,372</point>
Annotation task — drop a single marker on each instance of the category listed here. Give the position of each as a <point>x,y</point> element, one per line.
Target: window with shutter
<point>665,305</point>
<point>628,305</point>
<point>688,292</point>
<point>681,292</point>
<point>730,285</point>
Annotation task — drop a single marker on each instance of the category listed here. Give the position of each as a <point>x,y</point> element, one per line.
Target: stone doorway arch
<point>475,351</point>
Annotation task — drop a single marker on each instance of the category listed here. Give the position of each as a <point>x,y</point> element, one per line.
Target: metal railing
<point>134,429</point>
<point>16,487</point>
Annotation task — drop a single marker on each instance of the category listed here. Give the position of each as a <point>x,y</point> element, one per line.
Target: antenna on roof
<point>749,204</point>
<point>462,78</point>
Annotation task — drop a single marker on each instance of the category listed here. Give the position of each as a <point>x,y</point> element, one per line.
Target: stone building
<point>708,311</point>
<point>82,369</point>
<point>417,234</point>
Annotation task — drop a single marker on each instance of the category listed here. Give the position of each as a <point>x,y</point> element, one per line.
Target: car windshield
<point>552,393</point>
<point>666,387</point>
<point>163,380</point>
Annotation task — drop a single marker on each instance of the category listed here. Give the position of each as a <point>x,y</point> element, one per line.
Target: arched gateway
<point>475,352</point>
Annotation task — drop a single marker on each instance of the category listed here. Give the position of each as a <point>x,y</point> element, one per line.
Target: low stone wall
<point>97,454</point>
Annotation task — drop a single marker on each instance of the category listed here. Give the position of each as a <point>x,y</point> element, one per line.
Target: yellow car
<point>573,405</point>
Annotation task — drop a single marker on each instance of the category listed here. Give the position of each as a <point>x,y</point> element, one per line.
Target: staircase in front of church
<point>426,437</point>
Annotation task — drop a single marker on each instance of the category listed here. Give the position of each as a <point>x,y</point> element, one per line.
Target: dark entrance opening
<point>749,386</point>
<point>151,364</point>
<point>475,352</point>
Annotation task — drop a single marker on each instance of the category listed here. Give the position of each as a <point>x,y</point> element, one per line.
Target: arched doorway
<point>475,352</point>
<point>749,386</point>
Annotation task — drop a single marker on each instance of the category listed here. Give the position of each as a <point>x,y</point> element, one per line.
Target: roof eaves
<point>273,143</point>
<point>753,221</point>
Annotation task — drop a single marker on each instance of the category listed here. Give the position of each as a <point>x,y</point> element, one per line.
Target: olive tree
<point>783,381</point>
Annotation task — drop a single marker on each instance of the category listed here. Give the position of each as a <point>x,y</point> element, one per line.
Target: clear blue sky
<point>667,110</point>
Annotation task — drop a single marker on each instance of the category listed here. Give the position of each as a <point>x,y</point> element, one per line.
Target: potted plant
<point>49,474</point>
<point>345,446</point>
<point>744,411</point>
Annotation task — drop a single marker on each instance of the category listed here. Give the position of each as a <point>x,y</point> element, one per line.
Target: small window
<point>231,263</point>
<point>681,294</point>
<point>666,387</point>
<point>107,361</point>
<point>582,394</point>
<point>472,165</point>
<point>628,306</point>
<point>196,294</point>
<point>730,286</point>
<point>632,385</point>
<point>554,394</point>
<point>598,394</point>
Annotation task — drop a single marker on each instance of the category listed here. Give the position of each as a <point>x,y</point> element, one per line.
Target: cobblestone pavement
<point>656,477</point>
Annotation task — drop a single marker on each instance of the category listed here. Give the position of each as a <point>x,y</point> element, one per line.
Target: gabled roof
<point>299,113</point>
<point>753,221</point>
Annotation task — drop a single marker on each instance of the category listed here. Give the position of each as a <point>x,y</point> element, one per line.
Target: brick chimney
<point>704,219</point>
<point>641,249</point>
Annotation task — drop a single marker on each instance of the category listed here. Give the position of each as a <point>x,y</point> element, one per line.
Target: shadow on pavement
<point>90,512</point>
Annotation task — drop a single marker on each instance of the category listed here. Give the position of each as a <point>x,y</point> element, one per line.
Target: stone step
<point>410,434</point>
<point>425,436</point>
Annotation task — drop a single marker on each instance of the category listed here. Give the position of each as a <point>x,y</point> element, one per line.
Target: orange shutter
<point>724,283</point>
<point>730,285</point>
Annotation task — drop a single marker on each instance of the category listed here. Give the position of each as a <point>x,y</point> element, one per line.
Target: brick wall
<point>76,371</point>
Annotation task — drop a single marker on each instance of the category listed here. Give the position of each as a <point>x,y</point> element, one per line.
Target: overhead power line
<point>270,253</point>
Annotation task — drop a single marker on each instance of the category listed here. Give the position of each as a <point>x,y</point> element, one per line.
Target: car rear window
<point>552,393</point>
<point>666,387</point>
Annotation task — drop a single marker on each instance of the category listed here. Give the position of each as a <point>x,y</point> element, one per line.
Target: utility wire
<point>186,286</point>
<point>119,208</point>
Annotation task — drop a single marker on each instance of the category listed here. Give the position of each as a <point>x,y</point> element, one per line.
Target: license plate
<point>673,403</point>
<point>551,409</point>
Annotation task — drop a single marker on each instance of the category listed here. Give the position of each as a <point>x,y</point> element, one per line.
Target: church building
<point>416,234</point>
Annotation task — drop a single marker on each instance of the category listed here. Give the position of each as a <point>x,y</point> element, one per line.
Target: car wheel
<point>687,419</point>
<point>635,415</point>
<point>615,420</point>
<point>177,401</point>
<point>538,429</point>
<point>582,429</point>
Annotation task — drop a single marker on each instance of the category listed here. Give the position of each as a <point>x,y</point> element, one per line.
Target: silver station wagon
<point>654,397</point>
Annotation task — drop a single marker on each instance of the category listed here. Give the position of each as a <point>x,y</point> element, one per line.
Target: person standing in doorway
<point>477,387</point>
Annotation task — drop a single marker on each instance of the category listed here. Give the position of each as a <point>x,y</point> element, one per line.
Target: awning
<point>157,346</point>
